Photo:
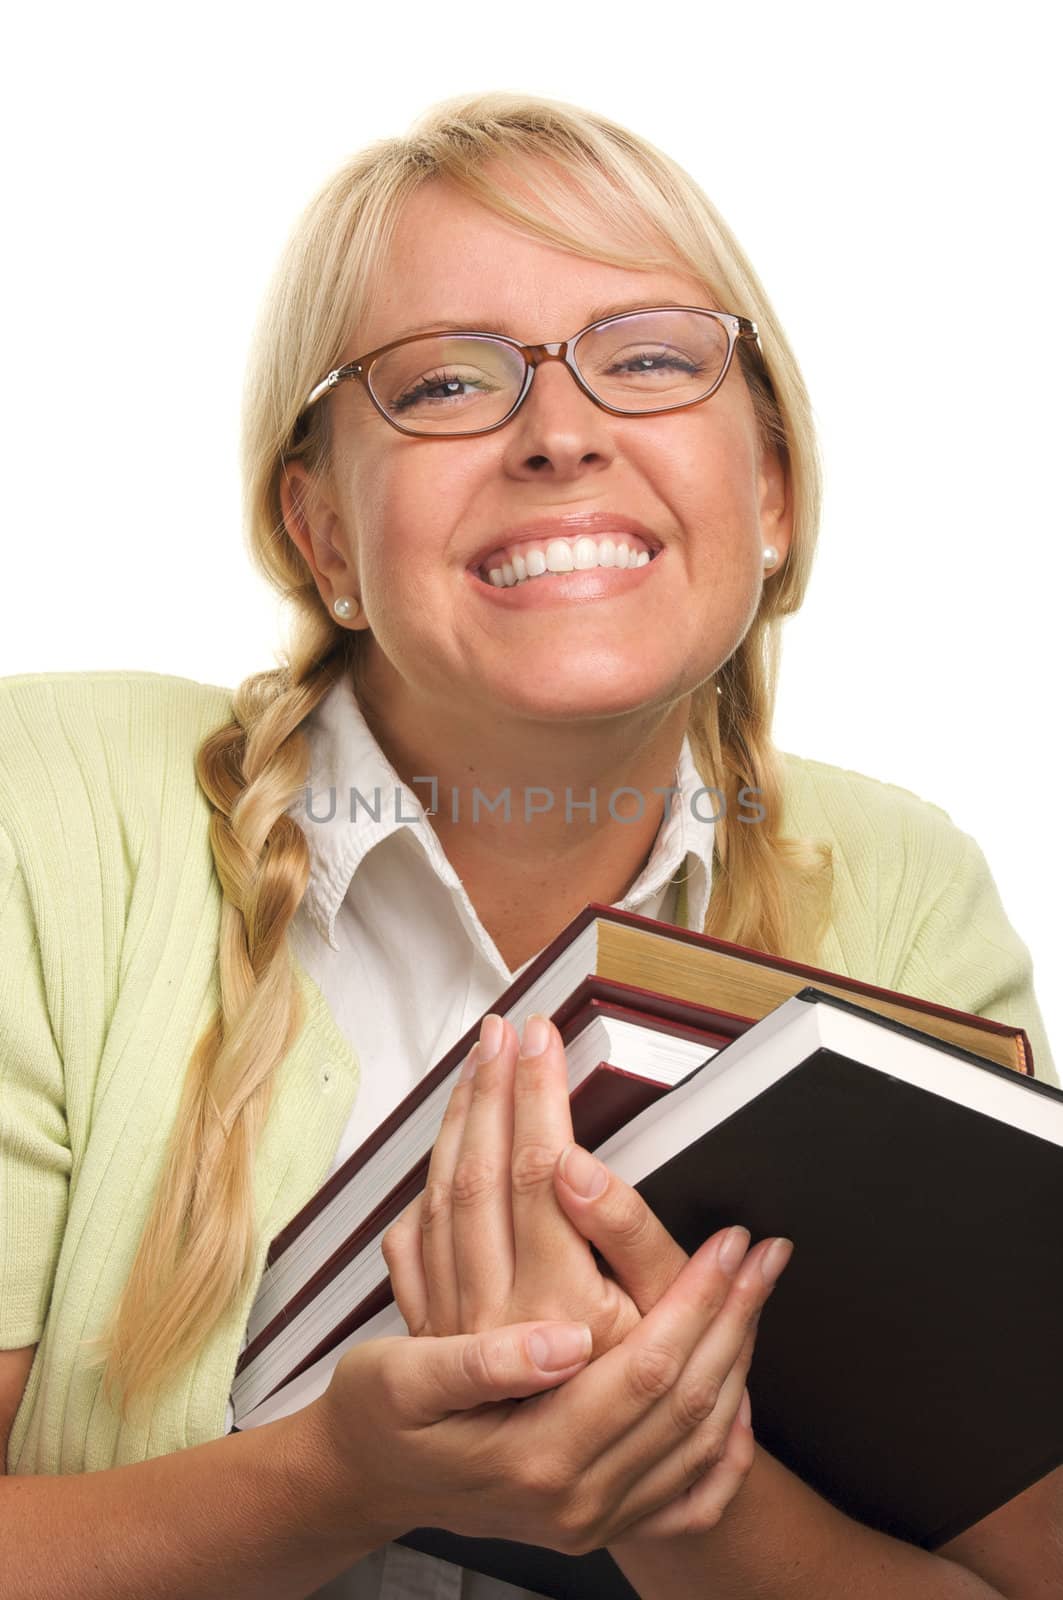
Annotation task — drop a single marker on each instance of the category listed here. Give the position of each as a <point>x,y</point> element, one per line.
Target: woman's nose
<point>558,421</point>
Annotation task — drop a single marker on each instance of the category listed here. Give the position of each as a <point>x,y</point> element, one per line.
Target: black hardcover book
<point>908,1363</point>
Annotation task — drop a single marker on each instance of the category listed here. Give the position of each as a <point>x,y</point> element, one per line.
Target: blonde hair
<point>198,1251</point>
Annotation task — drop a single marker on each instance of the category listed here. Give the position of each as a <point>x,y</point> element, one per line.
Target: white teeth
<point>558,556</point>
<point>582,555</point>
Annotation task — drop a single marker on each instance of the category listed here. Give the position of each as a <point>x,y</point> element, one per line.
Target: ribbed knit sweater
<point>109,918</point>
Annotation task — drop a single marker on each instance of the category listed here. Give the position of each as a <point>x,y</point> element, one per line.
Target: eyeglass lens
<point>648,361</point>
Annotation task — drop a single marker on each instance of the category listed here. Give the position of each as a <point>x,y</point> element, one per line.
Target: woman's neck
<point>513,808</point>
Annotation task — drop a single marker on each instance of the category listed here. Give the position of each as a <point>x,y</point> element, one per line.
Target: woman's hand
<point>426,1432</point>
<point>486,1243</point>
<point>498,1236</point>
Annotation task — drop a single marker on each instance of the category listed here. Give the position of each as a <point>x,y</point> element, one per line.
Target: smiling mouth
<point>533,559</point>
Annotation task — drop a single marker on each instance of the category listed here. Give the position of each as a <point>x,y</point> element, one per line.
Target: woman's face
<point>399,519</point>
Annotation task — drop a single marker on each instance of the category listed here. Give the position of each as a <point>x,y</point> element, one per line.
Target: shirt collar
<point>354,799</point>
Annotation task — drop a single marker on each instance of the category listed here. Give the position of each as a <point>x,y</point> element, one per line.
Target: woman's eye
<point>437,388</point>
<point>656,362</point>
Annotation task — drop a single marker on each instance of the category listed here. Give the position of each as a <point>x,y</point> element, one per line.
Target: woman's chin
<point>578,693</point>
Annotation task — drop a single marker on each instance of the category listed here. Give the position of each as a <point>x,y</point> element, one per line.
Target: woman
<point>191,1035</point>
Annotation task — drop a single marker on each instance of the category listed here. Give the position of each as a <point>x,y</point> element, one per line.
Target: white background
<point>894,179</point>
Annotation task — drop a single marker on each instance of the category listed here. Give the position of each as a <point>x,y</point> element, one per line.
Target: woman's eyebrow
<point>499,325</point>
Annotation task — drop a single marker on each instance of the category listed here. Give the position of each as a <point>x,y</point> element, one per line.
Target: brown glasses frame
<point>534,355</point>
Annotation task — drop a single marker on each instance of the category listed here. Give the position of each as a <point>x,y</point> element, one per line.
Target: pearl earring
<point>771,555</point>
<point>343,607</point>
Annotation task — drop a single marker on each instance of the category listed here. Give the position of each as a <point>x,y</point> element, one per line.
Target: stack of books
<point>908,1365</point>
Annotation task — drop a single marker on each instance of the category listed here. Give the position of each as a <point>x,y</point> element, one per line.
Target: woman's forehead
<point>454,263</point>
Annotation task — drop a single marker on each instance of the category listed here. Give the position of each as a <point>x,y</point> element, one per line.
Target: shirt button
<point>328,1078</point>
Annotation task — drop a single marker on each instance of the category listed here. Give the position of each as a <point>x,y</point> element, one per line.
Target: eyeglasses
<point>450,385</point>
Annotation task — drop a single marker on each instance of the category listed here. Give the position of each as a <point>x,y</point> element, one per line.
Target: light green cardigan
<point>109,916</point>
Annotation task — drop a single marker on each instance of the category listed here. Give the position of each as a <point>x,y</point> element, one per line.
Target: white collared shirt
<point>391,938</point>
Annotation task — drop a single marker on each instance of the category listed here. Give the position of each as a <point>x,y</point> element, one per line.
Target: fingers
<point>426,1380</point>
<point>504,1217</point>
<point>644,1257</point>
<point>542,1126</point>
<point>712,1381</point>
<point>481,1217</point>
<point>637,1478</point>
<point>700,1507</point>
<point>671,1484</point>
<point>725,1344</point>
<point>437,1242</point>
<point>402,1250</point>
<point>489,1215</point>
<point>638,1399</point>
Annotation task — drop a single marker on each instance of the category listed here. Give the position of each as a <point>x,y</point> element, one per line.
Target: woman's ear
<point>315,528</point>
<point>776,501</point>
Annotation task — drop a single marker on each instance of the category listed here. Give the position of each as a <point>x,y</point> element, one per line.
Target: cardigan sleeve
<point>35,1156</point>
<point>965,953</point>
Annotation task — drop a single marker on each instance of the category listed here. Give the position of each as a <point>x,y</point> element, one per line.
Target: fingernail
<point>745,1410</point>
<point>554,1348</point>
<point>732,1250</point>
<point>584,1175</point>
<point>490,1036</point>
<point>775,1258</point>
<point>468,1066</point>
<point>536,1035</point>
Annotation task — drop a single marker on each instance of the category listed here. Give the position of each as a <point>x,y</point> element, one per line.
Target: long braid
<point>732,748</point>
<point>198,1244</point>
